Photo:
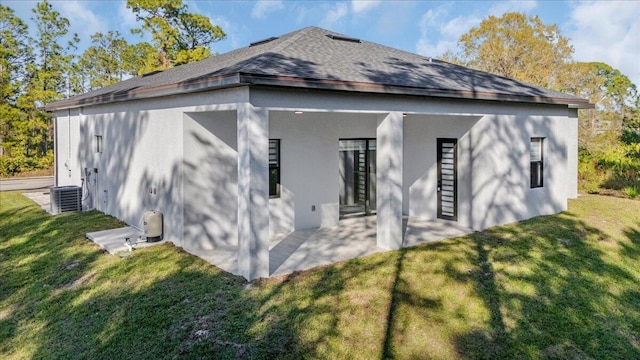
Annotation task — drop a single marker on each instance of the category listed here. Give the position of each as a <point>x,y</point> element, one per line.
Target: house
<point>303,130</point>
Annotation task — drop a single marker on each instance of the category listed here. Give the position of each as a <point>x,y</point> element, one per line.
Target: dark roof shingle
<point>314,57</point>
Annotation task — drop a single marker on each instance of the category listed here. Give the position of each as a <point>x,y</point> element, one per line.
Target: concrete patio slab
<point>420,231</point>
<point>42,198</point>
<point>113,240</point>
<point>352,238</point>
<point>295,251</point>
<point>323,246</point>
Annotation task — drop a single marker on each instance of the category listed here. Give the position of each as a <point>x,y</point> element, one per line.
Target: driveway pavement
<point>31,183</point>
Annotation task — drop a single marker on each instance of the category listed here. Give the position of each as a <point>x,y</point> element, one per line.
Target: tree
<point>30,137</point>
<point>102,64</point>
<point>13,56</point>
<point>15,53</point>
<point>614,95</point>
<point>49,72</point>
<point>621,92</point>
<point>516,46</point>
<point>136,58</point>
<point>179,36</point>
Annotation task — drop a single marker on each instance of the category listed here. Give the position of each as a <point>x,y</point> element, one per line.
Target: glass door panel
<point>357,159</point>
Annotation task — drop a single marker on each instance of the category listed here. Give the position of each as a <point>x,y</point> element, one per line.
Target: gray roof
<point>317,58</point>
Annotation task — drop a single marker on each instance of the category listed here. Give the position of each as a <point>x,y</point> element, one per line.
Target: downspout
<point>69,140</point>
<point>55,150</point>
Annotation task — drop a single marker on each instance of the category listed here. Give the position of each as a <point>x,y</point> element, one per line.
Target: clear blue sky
<point>607,31</point>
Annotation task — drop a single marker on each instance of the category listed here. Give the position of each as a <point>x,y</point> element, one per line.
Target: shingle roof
<point>317,58</point>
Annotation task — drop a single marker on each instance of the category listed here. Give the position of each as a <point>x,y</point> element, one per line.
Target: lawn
<point>564,286</point>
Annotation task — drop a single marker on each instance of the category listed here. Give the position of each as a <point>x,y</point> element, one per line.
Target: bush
<point>13,165</point>
<point>631,191</point>
<point>615,167</point>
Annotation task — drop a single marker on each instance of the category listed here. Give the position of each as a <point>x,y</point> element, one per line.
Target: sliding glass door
<point>357,162</point>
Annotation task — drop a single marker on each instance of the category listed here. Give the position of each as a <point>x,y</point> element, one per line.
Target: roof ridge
<point>257,62</point>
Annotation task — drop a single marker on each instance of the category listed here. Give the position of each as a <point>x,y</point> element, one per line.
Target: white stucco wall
<point>67,164</point>
<point>141,166</point>
<point>493,164</point>
<point>178,155</point>
<point>309,163</point>
<point>420,161</point>
<point>210,180</point>
<point>493,140</point>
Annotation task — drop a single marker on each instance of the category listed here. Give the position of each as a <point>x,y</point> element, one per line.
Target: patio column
<point>389,180</point>
<point>253,191</point>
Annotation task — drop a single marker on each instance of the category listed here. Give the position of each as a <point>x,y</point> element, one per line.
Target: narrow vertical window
<point>274,168</point>
<point>537,165</point>
<point>98,143</point>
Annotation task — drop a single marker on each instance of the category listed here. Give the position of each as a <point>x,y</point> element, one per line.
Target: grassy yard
<point>563,287</point>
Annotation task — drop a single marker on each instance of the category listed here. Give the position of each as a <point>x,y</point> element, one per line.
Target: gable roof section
<point>320,59</point>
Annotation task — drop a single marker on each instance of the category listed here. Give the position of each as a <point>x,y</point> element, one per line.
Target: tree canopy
<point>35,71</point>
<point>39,70</point>
<point>180,37</point>
<point>526,49</point>
<point>516,46</point>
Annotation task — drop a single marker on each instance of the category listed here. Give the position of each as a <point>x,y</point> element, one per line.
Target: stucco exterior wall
<point>179,155</point>
<point>141,166</point>
<point>493,164</point>
<point>210,180</point>
<point>68,158</point>
<point>493,148</point>
<point>309,157</point>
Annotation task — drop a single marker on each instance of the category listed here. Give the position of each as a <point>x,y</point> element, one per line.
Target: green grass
<point>631,191</point>
<point>564,286</point>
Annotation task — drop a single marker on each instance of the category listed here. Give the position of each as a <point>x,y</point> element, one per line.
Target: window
<point>274,168</point>
<point>537,168</point>
<point>99,143</point>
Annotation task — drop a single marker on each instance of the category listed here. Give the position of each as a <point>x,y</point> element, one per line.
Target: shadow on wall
<point>210,180</point>
<point>492,145</point>
<point>420,170</point>
<point>499,176</point>
<point>493,165</point>
<point>281,212</point>
<point>120,132</point>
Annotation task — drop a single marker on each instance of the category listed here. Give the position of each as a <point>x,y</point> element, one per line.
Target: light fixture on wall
<point>297,112</point>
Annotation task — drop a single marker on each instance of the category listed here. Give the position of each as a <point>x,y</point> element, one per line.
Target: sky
<point>605,31</point>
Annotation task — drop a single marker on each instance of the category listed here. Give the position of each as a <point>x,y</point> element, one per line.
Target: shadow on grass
<point>67,300</point>
<point>542,288</point>
<point>548,287</point>
<point>190,313</point>
<point>632,250</point>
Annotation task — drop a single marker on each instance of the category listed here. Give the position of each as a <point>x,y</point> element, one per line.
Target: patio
<point>299,250</point>
<point>352,238</point>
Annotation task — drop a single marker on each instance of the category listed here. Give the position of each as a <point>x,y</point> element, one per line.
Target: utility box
<point>65,199</point>
<point>153,225</point>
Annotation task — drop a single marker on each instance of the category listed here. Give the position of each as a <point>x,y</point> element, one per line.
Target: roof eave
<point>185,87</point>
<point>284,81</point>
<point>242,79</point>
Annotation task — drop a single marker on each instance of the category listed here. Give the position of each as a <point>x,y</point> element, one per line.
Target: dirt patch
<point>566,351</point>
<point>205,330</point>
<point>72,264</point>
<point>6,313</point>
<point>76,283</point>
